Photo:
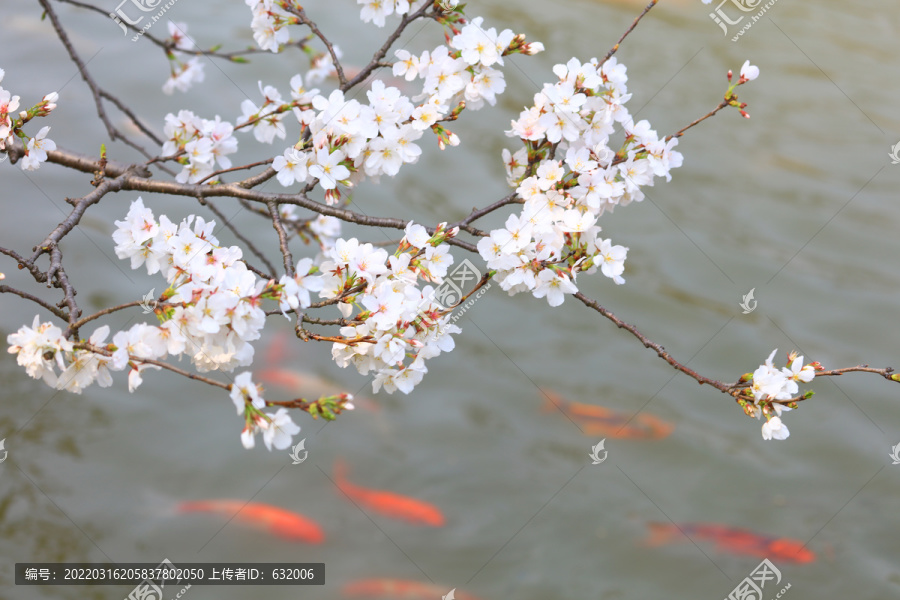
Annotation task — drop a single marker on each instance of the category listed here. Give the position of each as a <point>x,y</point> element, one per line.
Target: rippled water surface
<point>799,202</point>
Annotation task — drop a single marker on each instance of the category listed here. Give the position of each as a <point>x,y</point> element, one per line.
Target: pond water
<point>798,203</point>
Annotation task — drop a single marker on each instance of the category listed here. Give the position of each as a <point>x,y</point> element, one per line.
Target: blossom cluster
<point>278,428</point>
<point>269,24</point>
<point>556,235</point>
<point>211,311</point>
<point>183,72</point>
<point>204,142</point>
<point>399,325</point>
<point>213,302</point>
<point>376,11</point>
<point>344,140</point>
<point>11,123</point>
<point>771,383</point>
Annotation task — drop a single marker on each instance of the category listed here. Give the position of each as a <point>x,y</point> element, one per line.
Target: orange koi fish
<point>387,503</point>
<point>599,420</point>
<point>283,523</point>
<point>734,540</point>
<point>399,589</point>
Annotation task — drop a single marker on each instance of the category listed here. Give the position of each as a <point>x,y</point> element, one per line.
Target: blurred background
<point>798,203</point>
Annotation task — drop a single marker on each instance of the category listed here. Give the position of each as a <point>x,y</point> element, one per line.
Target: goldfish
<point>599,420</point>
<point>387,503</point>
<point>283,523</point>
<point>400,589</point>
<point>734,540</point>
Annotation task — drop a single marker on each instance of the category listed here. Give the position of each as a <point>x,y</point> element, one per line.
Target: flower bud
<point>533,48</point>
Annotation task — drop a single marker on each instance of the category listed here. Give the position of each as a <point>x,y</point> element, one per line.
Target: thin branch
<point>480,212</point>
<point>114,133</point>
<point>241,168</point>
<point>167,45</point>
<point>711,113</point>
<point>5,289</point>
<point>382,52</point>
<point>300,13</point>
<point>628,31</point>
<point>660,351</point>
<point>157,363</point>
<point>245,240</point>
<point>106,311</point>
<point>282,239</point>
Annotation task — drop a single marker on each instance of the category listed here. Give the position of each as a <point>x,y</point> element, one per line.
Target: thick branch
<point>237,190</point>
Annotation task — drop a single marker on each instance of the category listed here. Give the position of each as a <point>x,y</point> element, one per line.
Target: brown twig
<point>246,241</point>
<point>628,31</point>
<point>660,351</point>
<point>385,48</point>
<point>300,13</point>
<point>282,238</point>
<point>5,289</point>
<point>111,130</point>
<point>157,363</point>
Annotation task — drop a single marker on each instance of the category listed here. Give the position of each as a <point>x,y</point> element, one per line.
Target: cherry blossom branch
<point>157,363</point>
